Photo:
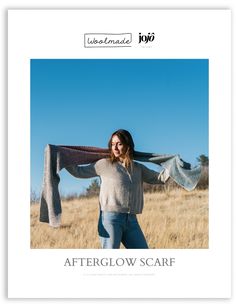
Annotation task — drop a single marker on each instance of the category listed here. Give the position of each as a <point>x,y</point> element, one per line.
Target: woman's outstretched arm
<point>154,177</point>
<point>83,172</point>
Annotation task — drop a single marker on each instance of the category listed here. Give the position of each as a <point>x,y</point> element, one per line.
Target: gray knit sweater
<point>121,189</point>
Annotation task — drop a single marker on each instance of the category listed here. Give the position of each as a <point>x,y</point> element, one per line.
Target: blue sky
<point>163,103</point>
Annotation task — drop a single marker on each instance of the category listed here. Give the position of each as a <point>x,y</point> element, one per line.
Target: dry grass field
<point>170,219</point>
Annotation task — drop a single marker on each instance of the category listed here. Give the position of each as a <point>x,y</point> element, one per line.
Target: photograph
<point>119,153</point>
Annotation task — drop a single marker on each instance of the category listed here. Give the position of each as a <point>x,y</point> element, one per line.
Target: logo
<point>94,40</point>
<point>150,37</point>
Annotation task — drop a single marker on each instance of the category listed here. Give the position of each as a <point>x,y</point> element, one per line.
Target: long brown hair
<point>127,140</point>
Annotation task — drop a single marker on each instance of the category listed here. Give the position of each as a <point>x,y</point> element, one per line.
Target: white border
<point>30,38</point>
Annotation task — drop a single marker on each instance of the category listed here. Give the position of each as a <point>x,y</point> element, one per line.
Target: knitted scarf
<point>61,156</point>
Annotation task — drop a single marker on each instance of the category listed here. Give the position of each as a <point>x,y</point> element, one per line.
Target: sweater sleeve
<point>84,172</point>
<point>154,177</point>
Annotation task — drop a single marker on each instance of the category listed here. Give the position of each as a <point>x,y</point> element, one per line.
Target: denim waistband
<point>112,214</point>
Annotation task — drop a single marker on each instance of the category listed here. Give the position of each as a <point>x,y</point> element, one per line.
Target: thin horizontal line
<point>107,46</point>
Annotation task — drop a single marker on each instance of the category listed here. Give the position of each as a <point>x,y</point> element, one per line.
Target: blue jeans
<point>115,228</point>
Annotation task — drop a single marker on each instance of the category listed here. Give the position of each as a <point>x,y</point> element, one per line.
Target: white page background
<point>61,4</point>
<point>32,34</point>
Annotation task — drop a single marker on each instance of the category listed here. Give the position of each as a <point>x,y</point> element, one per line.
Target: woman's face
<point>117,147</point>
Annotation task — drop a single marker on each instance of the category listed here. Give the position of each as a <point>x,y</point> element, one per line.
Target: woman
<point>121,192</point>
